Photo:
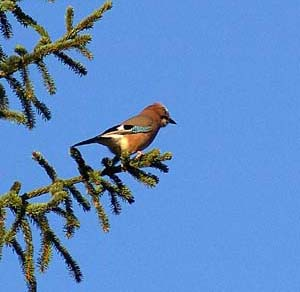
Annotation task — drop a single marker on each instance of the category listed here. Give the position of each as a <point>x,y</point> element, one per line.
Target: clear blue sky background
<point>227,216</point>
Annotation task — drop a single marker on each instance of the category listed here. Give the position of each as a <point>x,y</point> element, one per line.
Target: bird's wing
<point>137,124</point>
<point>139,120</point>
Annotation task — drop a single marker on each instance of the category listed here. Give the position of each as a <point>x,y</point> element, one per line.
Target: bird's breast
<point>118,144</point>
<point>128,143</point>
<point>123,143</point>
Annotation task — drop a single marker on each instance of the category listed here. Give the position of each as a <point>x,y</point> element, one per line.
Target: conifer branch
<point>2,229</point>
<point>5,26</point>
<point>76,66</point>
<point>30,281</point>
<point>81,200</point>
<point>45,253</point>
<point>69,19</point>
<point>50,238</point>
<point>4,102</point>
<point>28,255</point>
<point>7,5</point>
<point>72,40</point>
<point>62,193</point>
<point>47,79</point>
<point>13,116</point>
<point>106,179</point>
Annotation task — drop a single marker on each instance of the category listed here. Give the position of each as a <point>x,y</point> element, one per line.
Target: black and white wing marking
<point>120,130</point>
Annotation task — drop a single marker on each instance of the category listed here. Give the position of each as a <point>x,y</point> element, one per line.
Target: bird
<point>134,134</point>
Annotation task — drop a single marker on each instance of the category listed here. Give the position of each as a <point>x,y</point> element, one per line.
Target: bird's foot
<point>139,155</point>
<point>123,167</point>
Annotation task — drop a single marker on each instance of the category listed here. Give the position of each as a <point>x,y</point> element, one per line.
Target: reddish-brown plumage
<point>136,133</point>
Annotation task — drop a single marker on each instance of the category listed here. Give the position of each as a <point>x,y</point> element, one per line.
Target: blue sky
<point>227,216</point>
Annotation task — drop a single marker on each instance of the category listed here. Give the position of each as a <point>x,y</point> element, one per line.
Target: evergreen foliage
<point>90,185</point>
<point>63,193</point>
<point>75,38</point>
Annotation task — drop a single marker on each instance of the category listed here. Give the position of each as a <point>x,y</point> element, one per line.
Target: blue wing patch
<point>140,129</point>
<point>125,129</point>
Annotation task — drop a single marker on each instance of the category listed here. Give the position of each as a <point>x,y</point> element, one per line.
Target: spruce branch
<point>81,200</point>
<point>76,66</point>
<point>45,253</point>
<point>4,102</point>
<point>47,79</point>
<point>38,157</point>
<point>13,116</point>
<point>27,20</point>
<point>87,189</point>
<point>5,26</point>
<point>89,21</point>
<point>2,54</point>
<point>28,254</point>
<point>18,89</point>
<point>72,40</point>
<point>69,19</point>
<point>7,5</point>
<point>31,282</point>
<point>85,52</point>
<point>63,192</point>
<point>49,236</point>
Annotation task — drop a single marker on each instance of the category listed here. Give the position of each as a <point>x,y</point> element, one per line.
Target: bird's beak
<point>172,121</point>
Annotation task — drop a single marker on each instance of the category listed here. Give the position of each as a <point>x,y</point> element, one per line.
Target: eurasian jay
<point>134,134</point>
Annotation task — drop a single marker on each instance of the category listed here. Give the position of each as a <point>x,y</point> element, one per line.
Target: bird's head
<point>161,112</point>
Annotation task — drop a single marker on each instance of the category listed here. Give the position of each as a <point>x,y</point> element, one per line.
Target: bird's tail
<point>88,141</point>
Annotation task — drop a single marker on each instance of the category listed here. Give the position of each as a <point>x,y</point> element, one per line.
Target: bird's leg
<point>138,155</point>
<point>124,158</point>
<point>115,160</point>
